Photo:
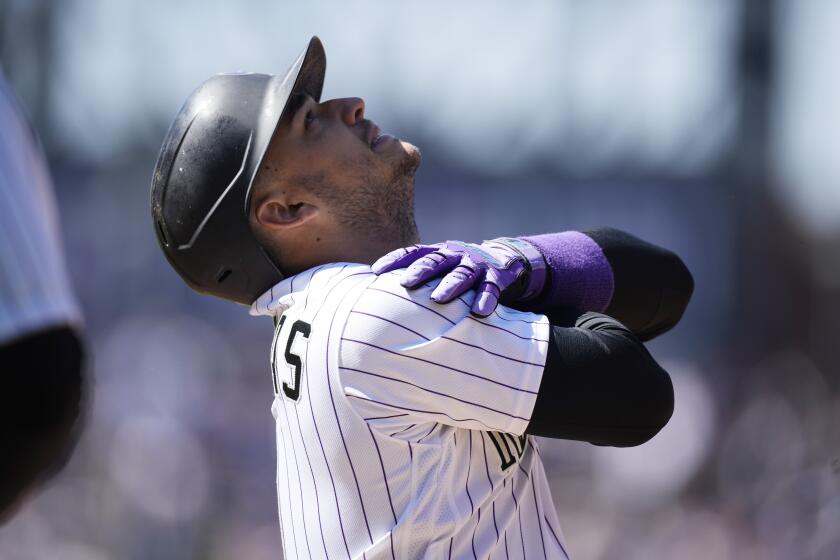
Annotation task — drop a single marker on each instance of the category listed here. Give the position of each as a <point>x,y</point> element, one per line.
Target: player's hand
<point>504,269</point>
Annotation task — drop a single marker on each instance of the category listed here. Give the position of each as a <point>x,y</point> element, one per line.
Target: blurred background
<point>707,126</point>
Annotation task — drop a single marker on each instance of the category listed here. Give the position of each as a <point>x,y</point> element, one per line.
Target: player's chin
<point>401,158</point>
<point>411,157</point>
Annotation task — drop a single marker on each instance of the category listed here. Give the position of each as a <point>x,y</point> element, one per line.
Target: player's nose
<point>351,110</point>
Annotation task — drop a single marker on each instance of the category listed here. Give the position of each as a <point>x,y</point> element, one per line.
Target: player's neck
<point>360,251</point>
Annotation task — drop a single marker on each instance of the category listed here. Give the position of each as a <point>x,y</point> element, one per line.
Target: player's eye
<point>310,116</point>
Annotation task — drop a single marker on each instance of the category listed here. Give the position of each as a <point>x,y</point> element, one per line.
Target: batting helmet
<point>202,182</point>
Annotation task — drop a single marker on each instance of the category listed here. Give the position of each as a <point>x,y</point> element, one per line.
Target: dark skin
<point>331,189</point>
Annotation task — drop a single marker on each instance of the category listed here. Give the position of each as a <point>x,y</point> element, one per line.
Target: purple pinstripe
<point>314,484</point>
<point>441,315</point>
<point>442,366</point>
<point>467,484</point>
<point>539,520</point>
<point>392,322</point>
<point>289,492</point>
<point>383,417</point>
<point>519,516</point>
<point>286,456</point>
<point>553,534</point>
<point>491,428</point>
<point>311,276</point>
<point>444,337</point>
<point>512,320</point>
<point>495,311</point>
<point>449,338</point>
<point>436,392</point>
<point>468,316</point>
<point>475,556</point>
<point>335,410</point>
<point>403,430</point>
<point>506,330</point>
<point>384,476</point>
<point>490,482</point>
<point>320,441</point>
<point>297,467</point>
<point>435,425</point>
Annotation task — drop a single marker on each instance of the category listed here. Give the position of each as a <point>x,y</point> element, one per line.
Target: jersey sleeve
<point>405,361</point>
<point>35,290</point>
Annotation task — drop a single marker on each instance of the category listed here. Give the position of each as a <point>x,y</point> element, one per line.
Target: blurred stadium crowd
<point>707,127</point>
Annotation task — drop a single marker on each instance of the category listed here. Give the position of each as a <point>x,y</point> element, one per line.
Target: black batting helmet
<point>202,182</point>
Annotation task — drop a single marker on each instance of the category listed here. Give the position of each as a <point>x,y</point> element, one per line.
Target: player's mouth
<point>375,137</point>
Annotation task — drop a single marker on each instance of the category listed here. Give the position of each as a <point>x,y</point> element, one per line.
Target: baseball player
<point>405,417</point>
<point>41,352</point>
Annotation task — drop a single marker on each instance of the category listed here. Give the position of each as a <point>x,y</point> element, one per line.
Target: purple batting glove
<point>402,257</point>
<point>504,268</point>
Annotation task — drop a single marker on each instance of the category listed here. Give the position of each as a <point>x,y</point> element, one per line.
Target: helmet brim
<point>306,75</point>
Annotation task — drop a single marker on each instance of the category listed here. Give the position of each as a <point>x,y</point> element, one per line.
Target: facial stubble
<point>379,207</point>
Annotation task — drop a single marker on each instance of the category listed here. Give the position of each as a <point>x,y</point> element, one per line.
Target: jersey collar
<point>281,296</point>
<point>274,300</point>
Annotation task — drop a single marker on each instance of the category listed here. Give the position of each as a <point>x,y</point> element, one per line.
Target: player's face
<point>339,128</point>
<point>363,177</point>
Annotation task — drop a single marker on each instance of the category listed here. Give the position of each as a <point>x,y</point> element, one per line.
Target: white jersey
<point>34,288</point>
<point>400,422</point>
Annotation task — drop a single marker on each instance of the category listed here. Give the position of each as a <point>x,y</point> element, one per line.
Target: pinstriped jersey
<point>400,422</point>
<point>35,292</point>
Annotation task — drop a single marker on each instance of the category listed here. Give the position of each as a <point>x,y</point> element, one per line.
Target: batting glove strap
<point>536,267</point>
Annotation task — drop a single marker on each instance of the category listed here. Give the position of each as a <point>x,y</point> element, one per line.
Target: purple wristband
<point>581,276</point>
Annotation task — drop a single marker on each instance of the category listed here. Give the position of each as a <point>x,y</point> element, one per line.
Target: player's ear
<point>275,214</point>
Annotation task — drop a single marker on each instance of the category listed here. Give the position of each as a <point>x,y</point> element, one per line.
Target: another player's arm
<point>600,385</point>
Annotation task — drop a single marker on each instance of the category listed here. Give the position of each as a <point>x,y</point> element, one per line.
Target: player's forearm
<point>600,385</point>
<point>645,287</point>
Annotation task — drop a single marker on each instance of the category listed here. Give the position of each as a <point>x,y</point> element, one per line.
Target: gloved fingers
<point>401,258</point>
<point>462,278</point>
<point>434,264</point>
<point>489,292</point>
<point>486,299</point>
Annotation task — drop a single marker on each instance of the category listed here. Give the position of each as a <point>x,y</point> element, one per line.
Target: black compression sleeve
<point>600,385</point>
<point>652,285</point>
